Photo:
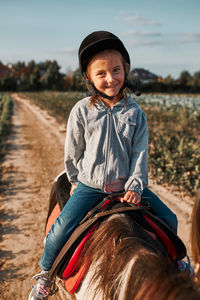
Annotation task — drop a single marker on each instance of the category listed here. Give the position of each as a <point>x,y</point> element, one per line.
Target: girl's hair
<point>195,232</point>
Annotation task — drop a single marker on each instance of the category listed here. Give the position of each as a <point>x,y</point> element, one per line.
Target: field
<point>174,138</point>
<point>5,120</point>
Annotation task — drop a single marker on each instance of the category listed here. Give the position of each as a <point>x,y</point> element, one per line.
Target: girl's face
<point>106,72</point>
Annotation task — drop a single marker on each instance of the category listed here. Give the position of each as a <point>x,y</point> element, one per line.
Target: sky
<point>162,36</point>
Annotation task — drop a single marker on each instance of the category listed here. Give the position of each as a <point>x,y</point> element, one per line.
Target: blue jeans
<point>160,209</point>
<point>82,200</point>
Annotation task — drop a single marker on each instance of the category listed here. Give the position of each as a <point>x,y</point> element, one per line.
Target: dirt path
<point>34,158</point>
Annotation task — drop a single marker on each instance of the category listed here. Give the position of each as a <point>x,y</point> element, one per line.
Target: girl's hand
<point>72,189</point>
<point>131,197</point>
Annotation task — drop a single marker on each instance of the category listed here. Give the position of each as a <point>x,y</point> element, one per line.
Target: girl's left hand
<point>131,197</point>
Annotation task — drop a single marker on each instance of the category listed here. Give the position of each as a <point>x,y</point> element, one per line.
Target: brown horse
<point>123,266</point>
<point>195,234</point>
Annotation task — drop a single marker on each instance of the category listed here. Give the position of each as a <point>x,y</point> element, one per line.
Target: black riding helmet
<point>96,42</point>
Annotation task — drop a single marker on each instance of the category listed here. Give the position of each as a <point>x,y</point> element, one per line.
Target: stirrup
<point>187,267</point>
<point>53,288</point>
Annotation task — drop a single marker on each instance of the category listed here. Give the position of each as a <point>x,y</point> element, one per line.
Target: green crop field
<point>5,121</point>
<point>174,133</point>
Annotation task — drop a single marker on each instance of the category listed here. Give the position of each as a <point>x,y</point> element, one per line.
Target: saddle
<point>148,228</point>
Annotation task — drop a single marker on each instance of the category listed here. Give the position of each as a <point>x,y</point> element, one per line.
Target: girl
<point>106,146</point>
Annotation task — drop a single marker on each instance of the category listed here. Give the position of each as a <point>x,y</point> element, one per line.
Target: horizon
<point>163,38</point>
<point>10,66</point>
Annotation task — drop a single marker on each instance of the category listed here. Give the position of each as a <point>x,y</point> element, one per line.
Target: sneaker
<point>43,287</point>
<point>183,266</point>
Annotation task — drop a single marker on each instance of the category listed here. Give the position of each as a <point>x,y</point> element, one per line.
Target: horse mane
<point>163,282</point>
<point>195,233</point>
<point>110,251</point>
<point>125,268</point>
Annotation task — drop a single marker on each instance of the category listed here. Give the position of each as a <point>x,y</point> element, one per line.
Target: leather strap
<point>80,230</point>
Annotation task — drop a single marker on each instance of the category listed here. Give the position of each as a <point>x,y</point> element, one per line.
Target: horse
<point>123,262</point>
<point>195,234</point>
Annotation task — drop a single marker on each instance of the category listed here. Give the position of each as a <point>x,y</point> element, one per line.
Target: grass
<point>6,105</point>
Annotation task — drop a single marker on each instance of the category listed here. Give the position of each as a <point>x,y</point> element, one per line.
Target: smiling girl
<point>106,148</point>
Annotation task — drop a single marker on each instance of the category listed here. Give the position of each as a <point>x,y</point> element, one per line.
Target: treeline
<point>186,83</point>
<point>46,75</point>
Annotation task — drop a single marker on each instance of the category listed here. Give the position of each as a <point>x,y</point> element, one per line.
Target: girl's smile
<point>106,72</point>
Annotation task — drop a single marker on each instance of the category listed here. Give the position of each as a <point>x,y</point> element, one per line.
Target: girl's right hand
<point>132,197</point>
<point>72,189</point>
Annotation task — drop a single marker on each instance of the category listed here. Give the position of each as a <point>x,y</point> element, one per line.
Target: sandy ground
<point>34,158</point>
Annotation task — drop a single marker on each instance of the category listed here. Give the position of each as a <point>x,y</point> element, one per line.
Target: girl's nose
<point>109,77</point>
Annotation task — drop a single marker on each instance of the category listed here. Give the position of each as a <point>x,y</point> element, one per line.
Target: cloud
<point>144,38</point>
<point>189,37</point>
<point>134,33</point>
<point>156,38</point>
<point>136,19</point>
<point>139,43</point>
<point>69,51</point>
<point>120,15</point>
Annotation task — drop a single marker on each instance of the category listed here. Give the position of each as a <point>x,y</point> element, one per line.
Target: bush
<point>6,105</point>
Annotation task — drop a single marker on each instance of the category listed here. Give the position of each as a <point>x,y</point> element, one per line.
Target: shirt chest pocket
<point>127,125</point>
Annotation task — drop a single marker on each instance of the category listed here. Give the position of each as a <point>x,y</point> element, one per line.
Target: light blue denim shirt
<point>107,148</point>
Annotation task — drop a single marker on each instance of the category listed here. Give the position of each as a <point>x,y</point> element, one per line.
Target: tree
<point>67,81</point>
<point>78,84</point>
<point>51,78</point>
<point>196,79</point>
<point>8,83</point>
<point>19,65</point>
<point>34,83</point>
<point>184,78</point>
<point>168,80</point>
<point>23,83</point>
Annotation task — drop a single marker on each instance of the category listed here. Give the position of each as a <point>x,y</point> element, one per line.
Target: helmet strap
<point>94,90</point>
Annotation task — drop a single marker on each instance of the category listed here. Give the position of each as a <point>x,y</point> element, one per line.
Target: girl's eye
<point>116,70</point>
<point>100,74</point>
